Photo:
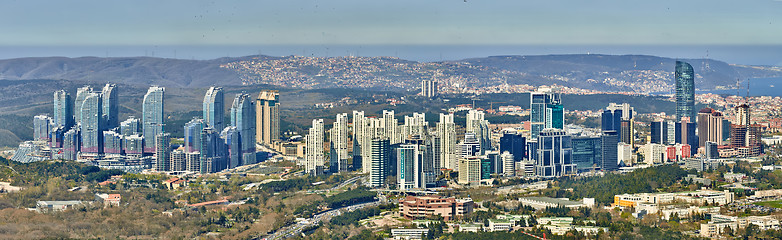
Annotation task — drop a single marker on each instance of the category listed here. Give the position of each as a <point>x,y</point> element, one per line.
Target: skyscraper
<point>429,88</point>
<point>81,94</point>
<point>212,152</point>
<point>214,108</point>
<point>515,144</point>
<point>153,117</point>
<point>619,118</point>
<point>390,127</point>
<point>610,151</point>
<point>555,154</point>
<point>709,126</point>
<point>358,140</point>
<point>742,115</point>
<point>192,132</point>
<point>314,162</point>
<point>110,105</point>
<point>539,103</point>
<point>162,152</point>
<point>268,116</point>
<point>469,171</point>
<point>112,143</point>
<point>339,144</point>
<point>414,126</point>
<point>233,146</point>
<point>409,167</point>
<point>131,126</point>
<point>555,116</point>
<point>381,154</point>
<point>243,118</point>
<point>477,124</point>
<point>41,128</point>
<point>446,132</point>
<point>92,124</point>
<point>659,132</point>
<point>685,90</point>
<point>63,110</point>
<point>587,152</point>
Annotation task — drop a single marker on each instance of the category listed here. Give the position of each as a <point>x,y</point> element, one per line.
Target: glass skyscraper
<point>152,118</point>
<point>685,90</point>
<point>544,103</point>
<point>110,106</point>
<point>214,108</point>
<point>92,124</point>
<point>63,110</point>
<point>243,118</point>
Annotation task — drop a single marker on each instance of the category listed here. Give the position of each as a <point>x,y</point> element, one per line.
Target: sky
<point>35,23</point>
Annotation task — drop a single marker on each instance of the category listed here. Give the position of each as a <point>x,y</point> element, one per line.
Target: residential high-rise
<point>192,132</point>
<point>71,144</point>
<point>381,156</point>
<point>162,152</point>
<point>339,144</point>
<point>446,132</point>
<point>213,151</point>
<point>243,118</point>
<point>610,151</point>
<point>429,88</point>
<point>476,123</point>
<point>233,144</point>
<point>92,124</point>
<point>214,108</point>
<point>555,154</point>
<point>178,160</point>
<point>113,143</point>
<point>470,147</point>
<point>153,118</point>
<point>63,110</point>
<point>742,115</point>
<point>110,106</point>
<point>42,128</point>
<point>745,136</point>
<point>539,102</point>
<point>314,159</point>
<point>508,164</point>
<point>358,140</point>
<point>268,116</point>
<point>515,144</point>
<point>587,152</point>
<point>685,90</point>
<point>414,126</point>
<point>81,94</point>
<point>709,126</point>
<point>131,126</point>
<point>391,127</point>
<point>133,145</point>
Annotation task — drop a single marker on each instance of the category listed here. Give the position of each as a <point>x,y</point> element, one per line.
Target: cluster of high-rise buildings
<point>88,128</point>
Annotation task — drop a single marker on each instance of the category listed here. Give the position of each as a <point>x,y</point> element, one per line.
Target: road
<point>295,229</point>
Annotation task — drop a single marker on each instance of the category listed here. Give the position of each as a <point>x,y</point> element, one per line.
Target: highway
<point>295,229</point>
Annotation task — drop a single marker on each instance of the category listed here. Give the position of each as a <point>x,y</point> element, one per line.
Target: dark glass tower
<point>685,90</point>
<point>609,150</point>
<point>515,144</point>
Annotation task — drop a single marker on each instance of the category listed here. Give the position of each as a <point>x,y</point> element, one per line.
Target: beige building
<point>470,171</point>
<point>267,117</point>
<point>413,207</point>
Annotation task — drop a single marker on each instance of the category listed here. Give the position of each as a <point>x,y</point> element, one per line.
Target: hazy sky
<point>480,22</point>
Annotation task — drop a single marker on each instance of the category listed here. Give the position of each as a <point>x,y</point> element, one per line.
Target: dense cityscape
<point>411,179</point>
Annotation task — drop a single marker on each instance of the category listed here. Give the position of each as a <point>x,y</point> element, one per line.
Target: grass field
<point>774,204</point>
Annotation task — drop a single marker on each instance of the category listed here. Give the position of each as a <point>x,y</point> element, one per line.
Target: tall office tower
<point>515,144</point>
<point>112,143</point>
<point>374,129</point>
<point>243,118</point>
<point>743,115</point>
<point>71,144</point>
<point>711,150</point>
<point>469,170</point>
<point>508,164</point>
<point>381,156</point>
<point>539,102</point>
<point>214,108</point>
<point>555,154</point>
<point>193,131</point>
<point>414,126</point>
<point>63,110</point>
<point>233,146</point>
<point>409,166</point>
<point>314,162</point>
<point>446,132</point>
<point>212,153</point>
<point>358,140</point>
<point>339,144</point>
<point>162,152</point>
<point>268,116</point>
<point>487,167</point>
<point>152,118</point>
<point>685,90</point>
<point>429,88</point>
<point>81,94</point>
<point>587,152</point>
<point>41,128</point>
<point>470,146</point>
<point>659,132</point>
<point>178,160</point>
<point>391,127</point>
<point>555,116</point>
<point>709,126</point>
<point>610,151</point>
<point>478,125</point>
<point>687,135</point>
<point>131,126</point>
<point>92,124</point>
<point>110,105</point>
<point>619,118</point>
<point>133,145</point>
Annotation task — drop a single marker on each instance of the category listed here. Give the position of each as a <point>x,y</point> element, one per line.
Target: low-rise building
<point>413,207</point>
<point>469,227</point>
<point>693,197</point>
<point>409,233</point>
<point>500,225</point>
<point>56,206</point>
<point>719,223</point>
<point>108,199</point>
<point>544,202</point>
